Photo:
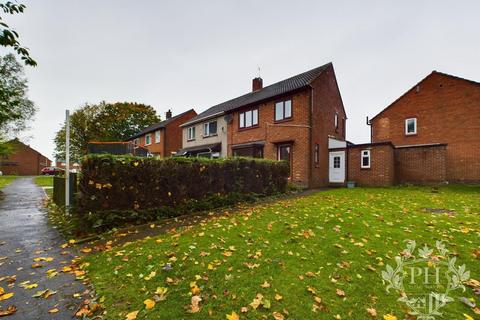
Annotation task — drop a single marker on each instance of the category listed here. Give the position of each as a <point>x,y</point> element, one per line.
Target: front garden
<point>315,257</point>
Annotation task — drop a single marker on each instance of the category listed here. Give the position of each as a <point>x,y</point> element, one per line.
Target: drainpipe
<point>310,140</point>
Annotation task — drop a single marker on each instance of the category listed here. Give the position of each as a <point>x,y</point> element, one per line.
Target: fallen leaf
<point>10,310</point>
<point>149,304</point>
<point>277,316</point>
<point>194,307</point>
<point>132,315</point>
<point>54,310</point>
<point>6,296</point>
<point>389,317</point>
<point>233,316</point>
<point>372,312</point>
<point>340,293</point>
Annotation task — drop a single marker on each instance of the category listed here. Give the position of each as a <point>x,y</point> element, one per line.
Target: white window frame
<point>206,129</point>
<point>414,125</point>
<point>157,136</point>
<point>282,105</point>
<point>243,122</point>
<point>149,138</point>
<point>190,133</point>
<point>136,142</point>
<point>365,154</point>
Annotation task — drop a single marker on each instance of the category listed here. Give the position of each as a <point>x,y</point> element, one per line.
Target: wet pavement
<point>25,235</point>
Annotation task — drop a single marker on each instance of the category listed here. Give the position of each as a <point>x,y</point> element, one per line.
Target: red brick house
<point>293,120</point>
<point>164,138</point>
<point>431,134</point>
<point>24,161</point>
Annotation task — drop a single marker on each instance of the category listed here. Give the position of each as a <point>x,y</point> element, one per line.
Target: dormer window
<point>411,126</point>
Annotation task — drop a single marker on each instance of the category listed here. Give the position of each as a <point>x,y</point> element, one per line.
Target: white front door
<point>337,167</point>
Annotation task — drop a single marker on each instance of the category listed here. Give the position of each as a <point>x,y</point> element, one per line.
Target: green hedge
<point>115,190</point>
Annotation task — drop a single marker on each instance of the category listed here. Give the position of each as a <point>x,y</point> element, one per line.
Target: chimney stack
<point>168,114</point>
<point>257,84</point>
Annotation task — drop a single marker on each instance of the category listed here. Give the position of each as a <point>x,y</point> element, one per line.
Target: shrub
<point>115,190</point>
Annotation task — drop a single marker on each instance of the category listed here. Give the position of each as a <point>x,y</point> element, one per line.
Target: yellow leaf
<point>277,316</point>
<point>86,250</point>
<point>389,317</point>
<point>467,317</point>
<point>233,316</point>
<point>1,291</point>
<point>149,304</point>
<point>278,297</point>
<point>6,296</point>
<point>54,310</point>
<point>132,315</point>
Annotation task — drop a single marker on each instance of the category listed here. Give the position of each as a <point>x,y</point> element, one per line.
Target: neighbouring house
<point>205,135</point>
<point>163,139</point>
<point>294,120</point>
<point>24,161</point>
<point>429,135</point>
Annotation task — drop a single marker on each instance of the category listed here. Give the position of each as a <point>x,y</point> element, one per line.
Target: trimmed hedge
<point>115,190</point>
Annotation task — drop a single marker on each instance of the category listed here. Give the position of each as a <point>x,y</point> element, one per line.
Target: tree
<point>15,107</point>
<point>9,37</point>
<point>103,122</point>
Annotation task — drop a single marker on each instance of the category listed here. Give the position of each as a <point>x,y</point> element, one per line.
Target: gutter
<point>189,123</point>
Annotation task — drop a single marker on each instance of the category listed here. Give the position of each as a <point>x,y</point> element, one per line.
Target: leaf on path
<point>54,310</point>
<point>6,296</point>
<point>8,312</point>
<point>44,293</point>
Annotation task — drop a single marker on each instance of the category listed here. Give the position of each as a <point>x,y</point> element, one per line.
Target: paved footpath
<point>24,235</point>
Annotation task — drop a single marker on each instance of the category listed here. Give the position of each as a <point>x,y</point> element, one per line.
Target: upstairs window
<point>365,159</point>
<point>317,154</point>
<point>148,139</point>
<point>210,128</point>
<point>157,136</point>
<point>335,121</point>
<point>191,133</point>
<point>248,119</point>
<point>283,110</point>
<point>411,126</point>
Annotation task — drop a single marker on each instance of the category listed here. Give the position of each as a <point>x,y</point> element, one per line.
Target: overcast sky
<point>184,54</point>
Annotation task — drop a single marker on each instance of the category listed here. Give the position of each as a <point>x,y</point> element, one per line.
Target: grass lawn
<point>4,180</point>
<point>46,182</point>
<point>314,257</point>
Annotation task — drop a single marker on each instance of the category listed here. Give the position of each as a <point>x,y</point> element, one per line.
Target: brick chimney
<point>257,84</point>
<point>168,114</point>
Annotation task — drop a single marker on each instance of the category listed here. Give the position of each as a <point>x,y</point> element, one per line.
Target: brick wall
<point>24,161</point>
<point>326,103</point>
<point>447,111</point>
<point>294,131</point>
<point>382,165</point>
<point>321,101</point>
<point>170,136</point>
<point>421,165</point>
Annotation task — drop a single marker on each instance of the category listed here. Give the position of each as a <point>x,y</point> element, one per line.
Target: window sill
<point>188,140</point>
<point>248,128</point>
<point>410,134</point>
<point>283,120</point>
<point>369,168</point>
<point>209,136</point>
